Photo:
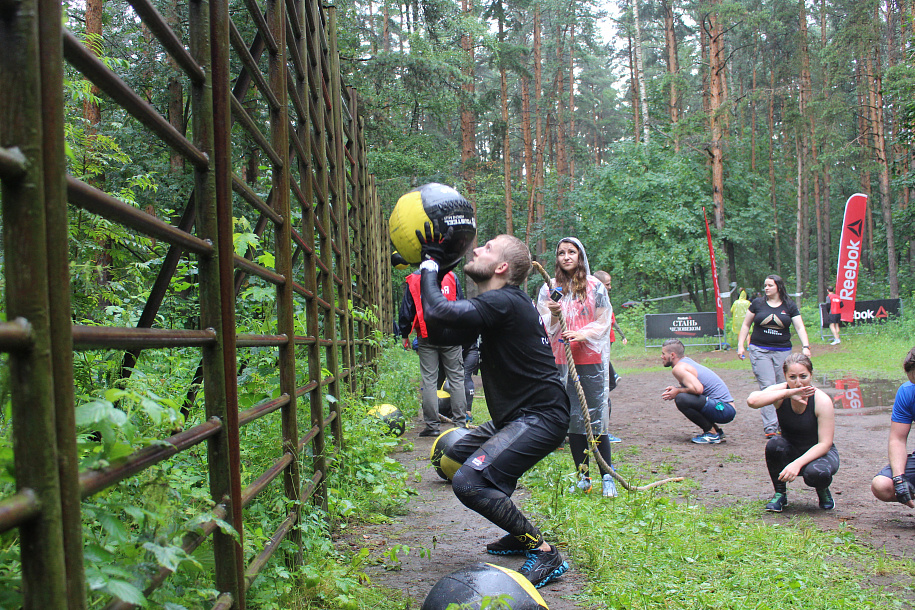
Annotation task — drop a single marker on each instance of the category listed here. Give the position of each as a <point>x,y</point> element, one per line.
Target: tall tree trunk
<point>527,136</point>
<point>175,91</point>
<point>468,120</point>
<point>634,89</point>
<point>538,127</point>
<point>802,244</point>
<point>884,174</point>
<point>640,70</point>
<point>753,111</point>
<point>717,99</point>
<point>772,196</point>
<point>569,155</point>
<point>559,89</point>
<point>869,108</point>
<point>673,68</point>
<point>506,141</point>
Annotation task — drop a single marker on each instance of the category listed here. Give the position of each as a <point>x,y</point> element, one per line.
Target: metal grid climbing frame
<point>275,100</point>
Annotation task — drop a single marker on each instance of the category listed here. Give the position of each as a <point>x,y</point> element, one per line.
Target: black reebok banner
<point>868,312</point>
<point>681,325</point>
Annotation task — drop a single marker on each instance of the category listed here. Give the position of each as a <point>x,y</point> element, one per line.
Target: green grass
<point>659,549</point>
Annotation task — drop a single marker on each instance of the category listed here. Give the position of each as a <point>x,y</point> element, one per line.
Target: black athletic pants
<point>817,474</point>
<point>495,458</point>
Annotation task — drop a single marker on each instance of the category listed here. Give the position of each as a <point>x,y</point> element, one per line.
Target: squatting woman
<point>805,447</point>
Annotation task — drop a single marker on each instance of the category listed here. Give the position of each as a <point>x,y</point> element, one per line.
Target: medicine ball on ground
<point>469,585</point>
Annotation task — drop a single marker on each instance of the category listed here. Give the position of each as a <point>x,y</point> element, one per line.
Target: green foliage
<point>698,557</point>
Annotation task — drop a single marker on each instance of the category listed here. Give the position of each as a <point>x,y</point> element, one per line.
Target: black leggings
<point>691,406</point>
<point>495,458</point>
<point>817,474</point>
<point>578,443</point>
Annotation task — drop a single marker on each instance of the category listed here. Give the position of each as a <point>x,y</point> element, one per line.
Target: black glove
<point>431,243</point>
<point>903,490</point>
<point>432,249</point>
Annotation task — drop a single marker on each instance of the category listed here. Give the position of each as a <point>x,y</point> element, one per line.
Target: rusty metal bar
<point>26,268</point>
<point>294,47</point>
<point>239,112</point>
<point>248,194</point>
<point>257,411</point>
<point>301,242</point>
<point>156,24</point>
<point>258,485</point>
<point>258,563</point>
<point>50,15</point>
<point>93,481</point>
<point>92,68</point>
<point>160,286</point>
<point>18,508</point>
<point>15,335</point>
<point>213,123</point>
<point>261,23</point>
<point>292,13</point>
<point>250,65</point>
<point>98,202</point>
<point>111,337</point>
<point>258,270</point>
<point>12,163</point>
<point>251,340</point>
<point>285,307</point>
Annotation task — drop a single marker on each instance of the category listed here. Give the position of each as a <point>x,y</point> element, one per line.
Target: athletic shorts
<point>718,412</point>
<point>909,473</point>
<point>502,455</point>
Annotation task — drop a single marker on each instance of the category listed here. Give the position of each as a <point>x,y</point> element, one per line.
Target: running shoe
<point>778,503</point>
<point>584,484</point>
<point>826,501</point>
<point>709,438</point>
<point>542,567</point>
<point>835,342</point>
<point>506,545</point>
<point>771,431</point>
<point>608,486</point>
<point>614,439</point>
<point>429,432</point>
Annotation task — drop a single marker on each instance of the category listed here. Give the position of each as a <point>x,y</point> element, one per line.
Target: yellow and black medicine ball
<point>392,416</point>
<point>468,586</point>
<point>443,208</point>
<point>398,261</point>
<point>444,466</point>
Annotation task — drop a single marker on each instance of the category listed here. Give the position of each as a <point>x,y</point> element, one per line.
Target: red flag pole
<point>719,310</point>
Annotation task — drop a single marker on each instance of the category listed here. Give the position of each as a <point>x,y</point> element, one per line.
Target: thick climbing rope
<point>586,416</point>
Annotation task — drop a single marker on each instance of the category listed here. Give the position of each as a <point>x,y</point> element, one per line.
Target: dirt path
<point>732,471</point>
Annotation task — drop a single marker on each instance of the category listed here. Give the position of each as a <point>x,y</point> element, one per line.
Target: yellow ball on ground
<point>392,416</point>
<point>444,466</point>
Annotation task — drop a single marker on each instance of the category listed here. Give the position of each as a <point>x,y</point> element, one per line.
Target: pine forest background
<point>616,123</point>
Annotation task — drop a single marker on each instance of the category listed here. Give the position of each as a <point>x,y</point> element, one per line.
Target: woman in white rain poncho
<point>586,307</point>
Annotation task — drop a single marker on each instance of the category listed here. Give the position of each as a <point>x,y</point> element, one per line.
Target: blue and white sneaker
<point>608,486</point>
<point>709,438</point>
<point>614,439</point>
<point>542,567</point>
<point>583,484</point>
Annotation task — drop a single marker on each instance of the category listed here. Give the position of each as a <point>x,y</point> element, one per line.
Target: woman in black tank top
<point>805,447</point>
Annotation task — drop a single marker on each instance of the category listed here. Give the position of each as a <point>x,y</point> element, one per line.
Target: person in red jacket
<point>431,356</point>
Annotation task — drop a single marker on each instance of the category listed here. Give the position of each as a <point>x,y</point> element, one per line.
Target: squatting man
<point>701,396</point>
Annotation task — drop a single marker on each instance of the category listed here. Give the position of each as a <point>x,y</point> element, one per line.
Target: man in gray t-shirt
<point>701,396</point>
